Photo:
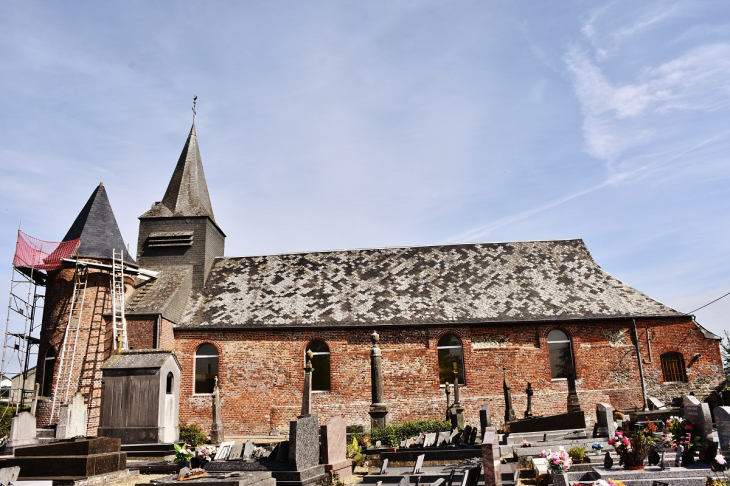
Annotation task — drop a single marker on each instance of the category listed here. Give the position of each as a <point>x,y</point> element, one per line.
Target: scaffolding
<point>32,259</point>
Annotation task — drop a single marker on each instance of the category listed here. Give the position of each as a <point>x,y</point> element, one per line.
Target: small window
<point>450,351</point>
<point>49,365</point>
<point>673,367</point>
<point>170,383</point>
<point>561,355</point>
<point>321,365</point>
<point>206,368</point>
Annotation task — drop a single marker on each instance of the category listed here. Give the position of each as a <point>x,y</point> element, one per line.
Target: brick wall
<point>261,375</point>
<point>93,343</point>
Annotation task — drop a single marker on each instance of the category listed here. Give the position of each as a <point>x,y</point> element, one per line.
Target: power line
<point>692,312</point>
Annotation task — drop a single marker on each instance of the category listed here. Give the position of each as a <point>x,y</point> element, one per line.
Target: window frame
<point>682,372</point>
<point>195,367</point>
<point>462,369</point>
<point>328,354</point>
<point>571,357</point>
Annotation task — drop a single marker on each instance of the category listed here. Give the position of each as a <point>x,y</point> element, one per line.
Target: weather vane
<point>195,100</point>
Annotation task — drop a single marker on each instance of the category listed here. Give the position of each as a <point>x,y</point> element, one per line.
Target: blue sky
<point>344,124</point>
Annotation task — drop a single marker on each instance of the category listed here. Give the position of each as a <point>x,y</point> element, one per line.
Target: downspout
<point>157,332</point>
<point>641,367</point>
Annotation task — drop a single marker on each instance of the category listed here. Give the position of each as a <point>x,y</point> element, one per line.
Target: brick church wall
<point>261,375</point>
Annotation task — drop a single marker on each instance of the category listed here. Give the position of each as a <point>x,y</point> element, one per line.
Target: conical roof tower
<point>97,227</point>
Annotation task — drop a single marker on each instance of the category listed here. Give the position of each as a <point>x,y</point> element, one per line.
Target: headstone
<point>22,430</point>
<point>236,452</point>
<point>458,437</point>
<point>509,411</point>
<point>699,413</point>
<point>430,439</point>
<point>655,404</point>
<point>474,474</point>
<point>722,419</point>
<point>608,461</point>
<point>443,438</point>
<point>384,467</point>
<point>419,440</point>
<point>467,434</point>
<point>304,442</point>
<point>378,445</point>
<point>604,421</point>
<point>491,458</point>
<point>419,464</point>
<point>484,420</point>
<point>334,448</point>
<point>217,435</point>
<point>473,436</point>
<point>248,449</point>
<point>72,418</point>
<point>223,450</point>
<point>405,480</point>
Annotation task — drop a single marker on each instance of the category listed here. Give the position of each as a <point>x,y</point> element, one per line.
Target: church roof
<point>97,227</point>
<point>187,192</point>
<point>446,284</point>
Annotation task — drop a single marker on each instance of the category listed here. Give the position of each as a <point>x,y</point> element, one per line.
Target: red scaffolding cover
<point>42,255</point>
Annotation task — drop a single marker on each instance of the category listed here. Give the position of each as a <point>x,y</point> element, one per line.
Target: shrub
<point>391,435</point>
<point>577,453</point>
<point>192,434</point>
<point>353,452</point>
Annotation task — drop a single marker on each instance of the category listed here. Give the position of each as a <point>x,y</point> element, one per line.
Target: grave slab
<point>722,419</point>
<point>334,448</point>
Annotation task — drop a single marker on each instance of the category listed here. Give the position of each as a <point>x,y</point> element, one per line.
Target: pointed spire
<point>97,227</point>
<point>187,192</point>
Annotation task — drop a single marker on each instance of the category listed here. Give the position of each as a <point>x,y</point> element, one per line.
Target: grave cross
<point>528,412</point>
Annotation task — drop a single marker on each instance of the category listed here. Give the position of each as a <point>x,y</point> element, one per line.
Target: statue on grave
<point>378,409</point>
<point>509,412</point>
<point>529,392</point>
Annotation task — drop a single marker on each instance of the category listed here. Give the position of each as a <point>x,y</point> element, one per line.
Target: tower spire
<point>195,100</point>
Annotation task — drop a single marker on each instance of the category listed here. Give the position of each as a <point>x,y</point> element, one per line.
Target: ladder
<point>70,340</point>
<point>119,321</point>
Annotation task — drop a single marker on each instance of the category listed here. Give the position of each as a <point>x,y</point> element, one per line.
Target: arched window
<point>673,367</point>
<point>561,355</point>
<point>321,365</point>
<point>450,351</point>
<point>206,368</point>
<point>49,365</point>
<point>170,383</point>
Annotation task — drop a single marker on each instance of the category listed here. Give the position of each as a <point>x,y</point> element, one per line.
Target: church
<point>528,311</point>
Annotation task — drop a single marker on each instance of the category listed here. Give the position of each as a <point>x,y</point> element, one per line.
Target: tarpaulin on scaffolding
<point>42,255</point>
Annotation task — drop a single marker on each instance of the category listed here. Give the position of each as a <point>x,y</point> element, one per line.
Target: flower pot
<point>195,463</point>
<point>560,479</point>
<point>634,468</point>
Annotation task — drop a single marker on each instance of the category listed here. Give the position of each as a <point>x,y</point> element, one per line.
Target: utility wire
<point>692,312</point>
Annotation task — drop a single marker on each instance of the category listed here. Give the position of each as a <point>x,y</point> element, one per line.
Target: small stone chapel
<point>527,310</point>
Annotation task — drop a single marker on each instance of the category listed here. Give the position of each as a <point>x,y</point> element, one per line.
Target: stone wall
<point>261,374</point>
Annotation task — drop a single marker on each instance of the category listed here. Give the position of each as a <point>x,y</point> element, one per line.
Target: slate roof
<point>97,227</point>
<point>167,295</point>
<point>447,284</point>
<point>187,192</point>
<point>142,359</point>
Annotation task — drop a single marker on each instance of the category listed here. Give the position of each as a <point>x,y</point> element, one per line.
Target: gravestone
<point>443,438</point>
<point>22,430</point>
<point>509,411</point>
<point>419,464</point>
<point>378,445</point>
<point>334,448</point>
<point>473,436</point>
<point>419,440</point>
<point>722,419</point>
<point>655,404</point>
<point>604,421</point>
<point>405,480</point>
<point>467,434</point>
<point>248,449</point>
<point>223,450</point>
<point>72,418</point>
<point>384,467</point>
<point>699,414</point>
<point>484,420</point>
<point>282,451</point>
<point>8,475</point>
<point>430,439</point>
<point>608,461</point>
<point>304,442</point>
<point>491,458</point>
<point>236,452</point>
<point>453,436</point>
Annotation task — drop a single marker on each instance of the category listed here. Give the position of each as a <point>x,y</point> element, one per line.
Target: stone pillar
<point>509,411</point>
<point>457,411</point>
<point>448,401</point>
<point>216,431</point>
<point>491,458</point>
<point>307,392</point>
<point>529,392</point>
<point>378,409</point>
<point>573,402</point>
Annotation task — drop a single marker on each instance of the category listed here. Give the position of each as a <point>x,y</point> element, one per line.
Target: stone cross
<point>573,402</point>
<point>509,412</point>
<point>378,409</point>
<point>529,392</point>
<point>307,394</point>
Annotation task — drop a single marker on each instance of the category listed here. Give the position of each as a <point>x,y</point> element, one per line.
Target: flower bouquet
<point>597,448</point>
<point>206,454</point>
<point>183,454</point>
<point>558,462</point>
<point>609,482</point>
<point>632,451</point>
<point>526,444</point>
<point>719,465</point>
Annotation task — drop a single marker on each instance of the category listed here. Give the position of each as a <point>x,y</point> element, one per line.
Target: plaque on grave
<point>655,404</point>
<point>384,467</point>
<point>419,464</point>
<point>248,449</point>
<point>223,450</point>
<point>699,414</point>
<point>443,438</point>
<point>236,452</point>
<point>604,421</point>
